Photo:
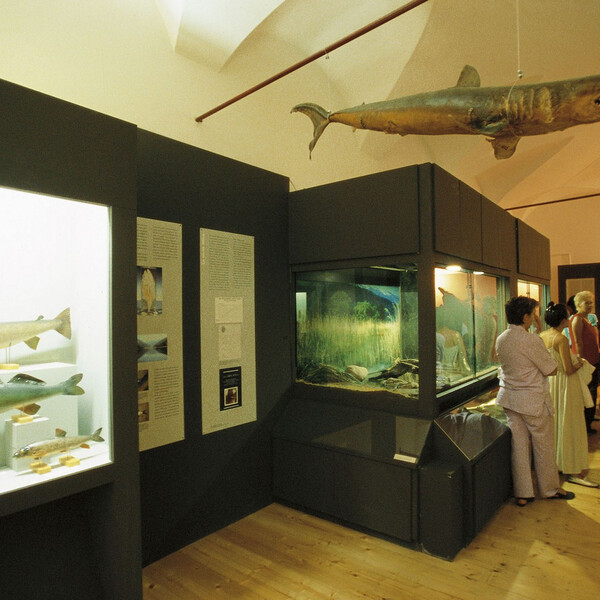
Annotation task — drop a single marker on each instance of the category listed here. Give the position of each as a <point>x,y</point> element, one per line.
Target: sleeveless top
<point>589,338</point>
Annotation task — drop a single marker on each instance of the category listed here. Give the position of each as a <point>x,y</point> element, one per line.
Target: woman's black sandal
<point>521,502</point>
<point>564,496</point>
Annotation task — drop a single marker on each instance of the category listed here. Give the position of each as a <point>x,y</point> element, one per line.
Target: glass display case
<point>468,317</point>
<point>55,359</point>
<point>530,289</point>
<point>358,328</point>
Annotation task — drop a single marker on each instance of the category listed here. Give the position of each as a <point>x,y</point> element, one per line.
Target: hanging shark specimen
<point>503,114</point>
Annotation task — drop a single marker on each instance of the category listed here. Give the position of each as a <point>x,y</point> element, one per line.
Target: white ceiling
<point>420,51</point>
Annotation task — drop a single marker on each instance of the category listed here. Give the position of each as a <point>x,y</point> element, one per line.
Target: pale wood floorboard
<point>547,550</point>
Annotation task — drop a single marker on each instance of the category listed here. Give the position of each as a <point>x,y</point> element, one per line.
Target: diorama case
<point>55,356</point>
<point>358,328</point>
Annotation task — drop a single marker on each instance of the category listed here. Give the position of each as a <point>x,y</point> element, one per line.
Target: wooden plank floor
<point>547,550</point>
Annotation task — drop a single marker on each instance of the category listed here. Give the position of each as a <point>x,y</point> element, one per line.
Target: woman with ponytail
<point>568,393</point>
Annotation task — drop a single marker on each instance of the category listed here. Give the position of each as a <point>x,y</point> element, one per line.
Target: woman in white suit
<point>524,395</point>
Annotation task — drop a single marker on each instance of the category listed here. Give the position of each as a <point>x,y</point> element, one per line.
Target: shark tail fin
<point>64,327</point>
<point>319,117</point>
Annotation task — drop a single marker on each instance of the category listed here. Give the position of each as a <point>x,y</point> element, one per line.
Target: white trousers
<point>538,433</point>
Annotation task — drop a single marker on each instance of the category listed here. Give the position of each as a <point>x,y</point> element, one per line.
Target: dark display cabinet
<point>400,279</point>
<point>68,187</point>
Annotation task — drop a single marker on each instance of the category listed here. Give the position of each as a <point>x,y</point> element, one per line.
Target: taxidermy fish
<point>503,114</point>
<point>23,390</point>
<point>27,331</point>
<point>61,443</point>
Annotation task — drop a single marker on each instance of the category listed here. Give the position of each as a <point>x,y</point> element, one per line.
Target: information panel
<point>227,330</point>
<point>160,337</point>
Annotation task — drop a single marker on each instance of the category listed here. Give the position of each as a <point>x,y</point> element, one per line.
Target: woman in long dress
<point>584,342</point>
<point>567,392</point>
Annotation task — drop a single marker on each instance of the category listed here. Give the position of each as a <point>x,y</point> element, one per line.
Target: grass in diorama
<point>342,341</point>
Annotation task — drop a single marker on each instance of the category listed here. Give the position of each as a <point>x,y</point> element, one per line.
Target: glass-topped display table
<point>391,474</point>
<point>351,463</point>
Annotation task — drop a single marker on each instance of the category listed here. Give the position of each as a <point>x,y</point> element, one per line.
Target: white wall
<point>115,56</point>
<point>573,229</point>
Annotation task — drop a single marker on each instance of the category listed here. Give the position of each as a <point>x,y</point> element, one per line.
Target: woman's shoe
<point>561,495</point>
<point>521,502</point>
<point>582,481</point>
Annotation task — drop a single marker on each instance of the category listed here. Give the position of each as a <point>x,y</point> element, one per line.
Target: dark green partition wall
<point>194,487</point>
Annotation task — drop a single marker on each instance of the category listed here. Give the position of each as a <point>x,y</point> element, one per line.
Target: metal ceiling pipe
<point>349,38</point>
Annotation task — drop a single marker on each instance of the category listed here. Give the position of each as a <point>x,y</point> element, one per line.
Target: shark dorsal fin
<point>469,77</point>
<point>60,433</point>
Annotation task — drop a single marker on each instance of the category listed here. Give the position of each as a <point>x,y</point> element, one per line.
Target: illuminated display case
<point>469,315</point>
<point>358,329</point>
<point>55,356</point>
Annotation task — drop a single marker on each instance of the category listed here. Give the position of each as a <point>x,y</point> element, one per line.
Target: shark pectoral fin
<point>33,342</point>
<point>30,409</point>
<point>84,445</point>
<point>469,77</point>
<point>505,146</point>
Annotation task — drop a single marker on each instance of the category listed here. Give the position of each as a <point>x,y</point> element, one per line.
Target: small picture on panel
<point>143,412</point>
<point>149,291</point>
<point>152,347</point>
<point>142,380</point>
<point>231,397</point>
<point>231,387</point>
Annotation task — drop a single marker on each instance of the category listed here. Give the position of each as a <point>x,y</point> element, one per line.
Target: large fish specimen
<point>28,331</point>
<point>503,114</point>
<point>23,390</point>
<point>61,443</point>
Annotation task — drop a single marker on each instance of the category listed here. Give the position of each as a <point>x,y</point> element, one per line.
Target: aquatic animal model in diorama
<point>61,443</point>
<point>23,390</point>
<point>503,114</point>
<point>28,331</point>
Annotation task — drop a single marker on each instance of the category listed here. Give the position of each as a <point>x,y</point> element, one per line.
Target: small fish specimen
<point>28,331</point>
<point>61,443</point>
<point>503,114</point>
<point>23,390</point>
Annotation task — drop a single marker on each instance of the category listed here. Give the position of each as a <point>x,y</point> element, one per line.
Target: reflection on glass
<point>467,324</point>
<point>358,328</point>
<point>537,292</point>
<point>529,289</point>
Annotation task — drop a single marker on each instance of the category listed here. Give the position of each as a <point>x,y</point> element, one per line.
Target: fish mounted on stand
<point>503,114</point>
<point>61,443</point>
<point>23,390</point>
<point>28,331</point>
